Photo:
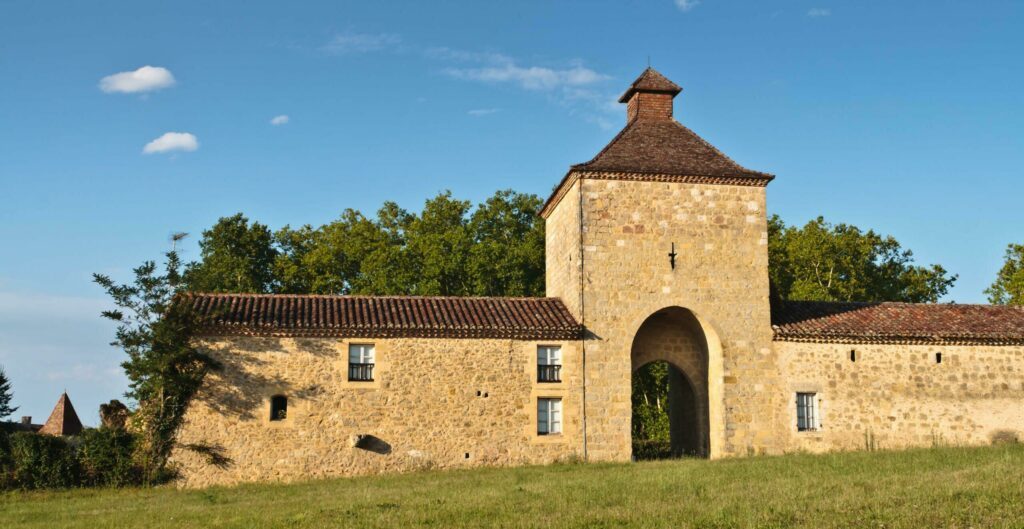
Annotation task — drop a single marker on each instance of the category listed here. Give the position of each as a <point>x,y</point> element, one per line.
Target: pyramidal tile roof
<point>63,419</point>
<point>385,316</point>
<point>658,149</point>
<point>666,147</point>
<point>651,80</point>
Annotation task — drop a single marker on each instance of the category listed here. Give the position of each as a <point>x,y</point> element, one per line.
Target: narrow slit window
<point>549,363</point>
<point>938,358</point>
<point>278,408</point>
<point>807,419</point>
<point>361,359</point>
<point>853,355</point>
<point>549,416</point>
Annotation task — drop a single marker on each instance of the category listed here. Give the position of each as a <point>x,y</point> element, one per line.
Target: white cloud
<point>172,141</point>
<point>530,78</point>
<point>450,54</point>
<point>279,120</point>
<point>686,5</point>
<point>577,88</point>
<point>346,43</point>
<point>819,12</point>
<point>145,79</point>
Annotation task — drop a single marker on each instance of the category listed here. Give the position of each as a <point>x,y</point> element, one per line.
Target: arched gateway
<point>676,336</point>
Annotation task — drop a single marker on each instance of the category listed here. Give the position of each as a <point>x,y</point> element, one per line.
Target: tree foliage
<point>650,404</point>
<point>6,395</point>
<point>236,257</point>
<point>164,368</point>
<point>449,248</point>
<point>1008,288</point>
<point>825,262</point>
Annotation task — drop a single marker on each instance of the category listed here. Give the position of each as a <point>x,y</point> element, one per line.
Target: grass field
<point>943,487</point>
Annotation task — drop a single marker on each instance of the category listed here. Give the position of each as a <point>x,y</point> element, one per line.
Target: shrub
<point>106,458</point>
<point>42,461</point>
<point>6,463</point>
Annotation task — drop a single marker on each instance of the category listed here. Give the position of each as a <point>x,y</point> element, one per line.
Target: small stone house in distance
<point>656,250</point>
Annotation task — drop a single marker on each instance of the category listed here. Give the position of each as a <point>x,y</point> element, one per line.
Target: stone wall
<point>562,251</point>
<point>894,396</point>
<point>721,275</point>
<point>434,403</point>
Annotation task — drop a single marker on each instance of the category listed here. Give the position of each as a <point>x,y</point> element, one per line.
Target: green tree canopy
<point>164,368</point>
<point>449,248</point>
<point>6,395</point>
<point>236,257</point>
<point>437,244</point>
<point>1008,288</point>
<point>507,257</point>
<point>825,262</point>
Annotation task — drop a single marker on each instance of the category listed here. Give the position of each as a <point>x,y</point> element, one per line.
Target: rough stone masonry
<point>656,251</point>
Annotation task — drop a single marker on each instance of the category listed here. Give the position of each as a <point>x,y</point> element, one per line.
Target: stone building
<point>656,251</point>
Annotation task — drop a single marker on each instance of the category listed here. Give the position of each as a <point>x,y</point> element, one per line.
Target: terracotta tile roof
<point>651,80</point>
<point>386,316</point>
<point>659,150</point>
<point>665,147</point>
<point>63,419</point>
<point>898,323</point>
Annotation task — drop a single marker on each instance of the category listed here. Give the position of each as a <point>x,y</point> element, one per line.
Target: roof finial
<point>648,60</point>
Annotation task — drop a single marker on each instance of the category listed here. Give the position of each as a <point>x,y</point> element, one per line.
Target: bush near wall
<point>41,462</point>
<point>101,457</point>
<point>106,456</point>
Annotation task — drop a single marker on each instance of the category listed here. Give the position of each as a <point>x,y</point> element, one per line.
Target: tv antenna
<point>175,237</point>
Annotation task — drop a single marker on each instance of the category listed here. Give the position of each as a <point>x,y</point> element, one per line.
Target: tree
<point>164,368</point>
<point>507,256</point>
<point>350,255</point>
<point>437,244</point>
<point>6,395</point>
<point>1008,288</point>
<point>825,262</point>
<point>236,257</point>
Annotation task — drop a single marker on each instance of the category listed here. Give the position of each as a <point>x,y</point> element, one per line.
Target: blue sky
<point>906,117</point>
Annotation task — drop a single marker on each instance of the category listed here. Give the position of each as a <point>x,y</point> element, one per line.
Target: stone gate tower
<point>658,246</point>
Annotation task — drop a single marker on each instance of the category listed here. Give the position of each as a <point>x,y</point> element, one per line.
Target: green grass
<point>943,487</point>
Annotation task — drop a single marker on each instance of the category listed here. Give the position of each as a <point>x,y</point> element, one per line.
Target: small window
<point>807,412</point>
<point>549,363</point>
<point>360,362</point>
<point>853,355</point>
<point>549,416</point>
<point>938,358</point>
<point>278,408</point>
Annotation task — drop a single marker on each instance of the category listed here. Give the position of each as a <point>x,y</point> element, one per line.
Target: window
<point>807,412</point>
<point>549,416</point>
<point>278,408</point>
<point>360,362</point>
<point>549,363</point>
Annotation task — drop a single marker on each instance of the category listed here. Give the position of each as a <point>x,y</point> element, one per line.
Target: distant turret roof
<point>63,419</point>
